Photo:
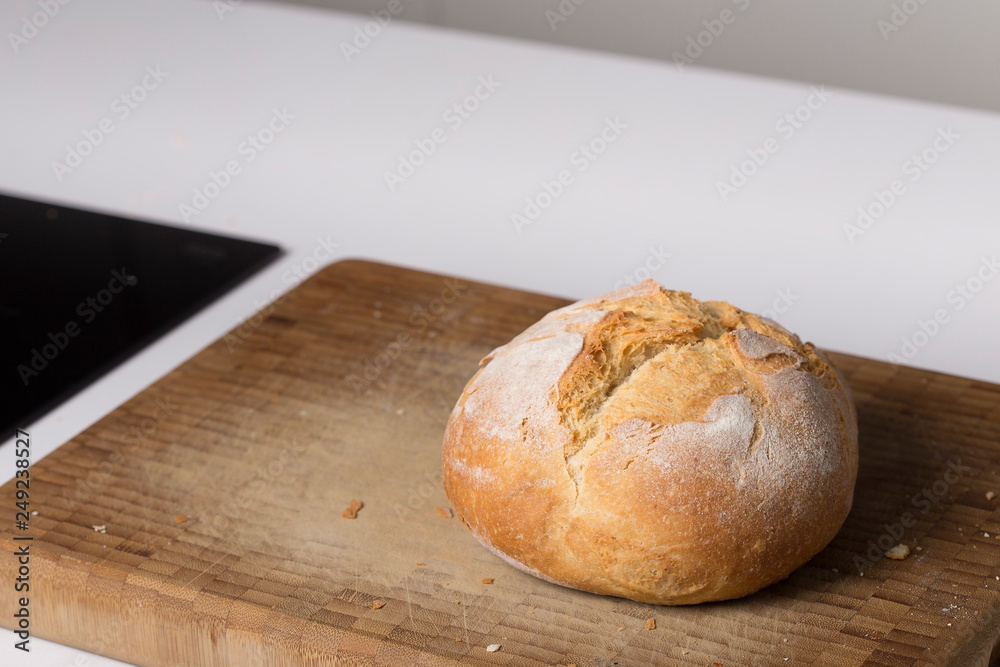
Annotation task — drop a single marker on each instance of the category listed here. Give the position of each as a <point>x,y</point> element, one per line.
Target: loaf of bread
<point>651,446</point>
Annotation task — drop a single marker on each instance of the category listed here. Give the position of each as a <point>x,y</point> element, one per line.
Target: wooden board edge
<point>216,631</point>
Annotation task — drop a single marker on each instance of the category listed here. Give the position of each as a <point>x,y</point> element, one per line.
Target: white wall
<point>942,51</point>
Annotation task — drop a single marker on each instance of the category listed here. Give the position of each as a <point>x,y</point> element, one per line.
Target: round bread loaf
<point>648,445</point>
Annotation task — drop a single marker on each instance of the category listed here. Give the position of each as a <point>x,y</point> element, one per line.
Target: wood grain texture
<point>222,488</point>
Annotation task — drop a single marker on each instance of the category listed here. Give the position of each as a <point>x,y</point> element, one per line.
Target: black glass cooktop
<point>81,291</point>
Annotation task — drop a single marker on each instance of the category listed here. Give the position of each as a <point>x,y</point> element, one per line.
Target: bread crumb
<point>898,552</point>
<point>651,624</point>
<point>990,495</point>
<point>458,602</point>
<point>445,512</point>
<point>180,518</point>
<point>352,511</point>
<point>486,580</point>
<point>493,648</point>
<point>621,628</point>
<point>421,564</point>
<point>378,604</point>
<point>458,639</point>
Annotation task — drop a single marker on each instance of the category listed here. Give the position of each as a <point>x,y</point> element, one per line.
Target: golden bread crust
<point>651,446</point>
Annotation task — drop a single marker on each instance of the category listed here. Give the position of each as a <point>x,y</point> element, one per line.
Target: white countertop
<point>330,127</point>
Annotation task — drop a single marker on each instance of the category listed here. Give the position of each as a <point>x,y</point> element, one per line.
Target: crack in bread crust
<point>633,333</point>
<point>581,404</point>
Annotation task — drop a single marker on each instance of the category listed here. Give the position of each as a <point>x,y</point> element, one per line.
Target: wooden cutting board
<point>220,491</point>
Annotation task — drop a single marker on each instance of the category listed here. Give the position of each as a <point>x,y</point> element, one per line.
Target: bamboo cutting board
<point>220,490</point>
